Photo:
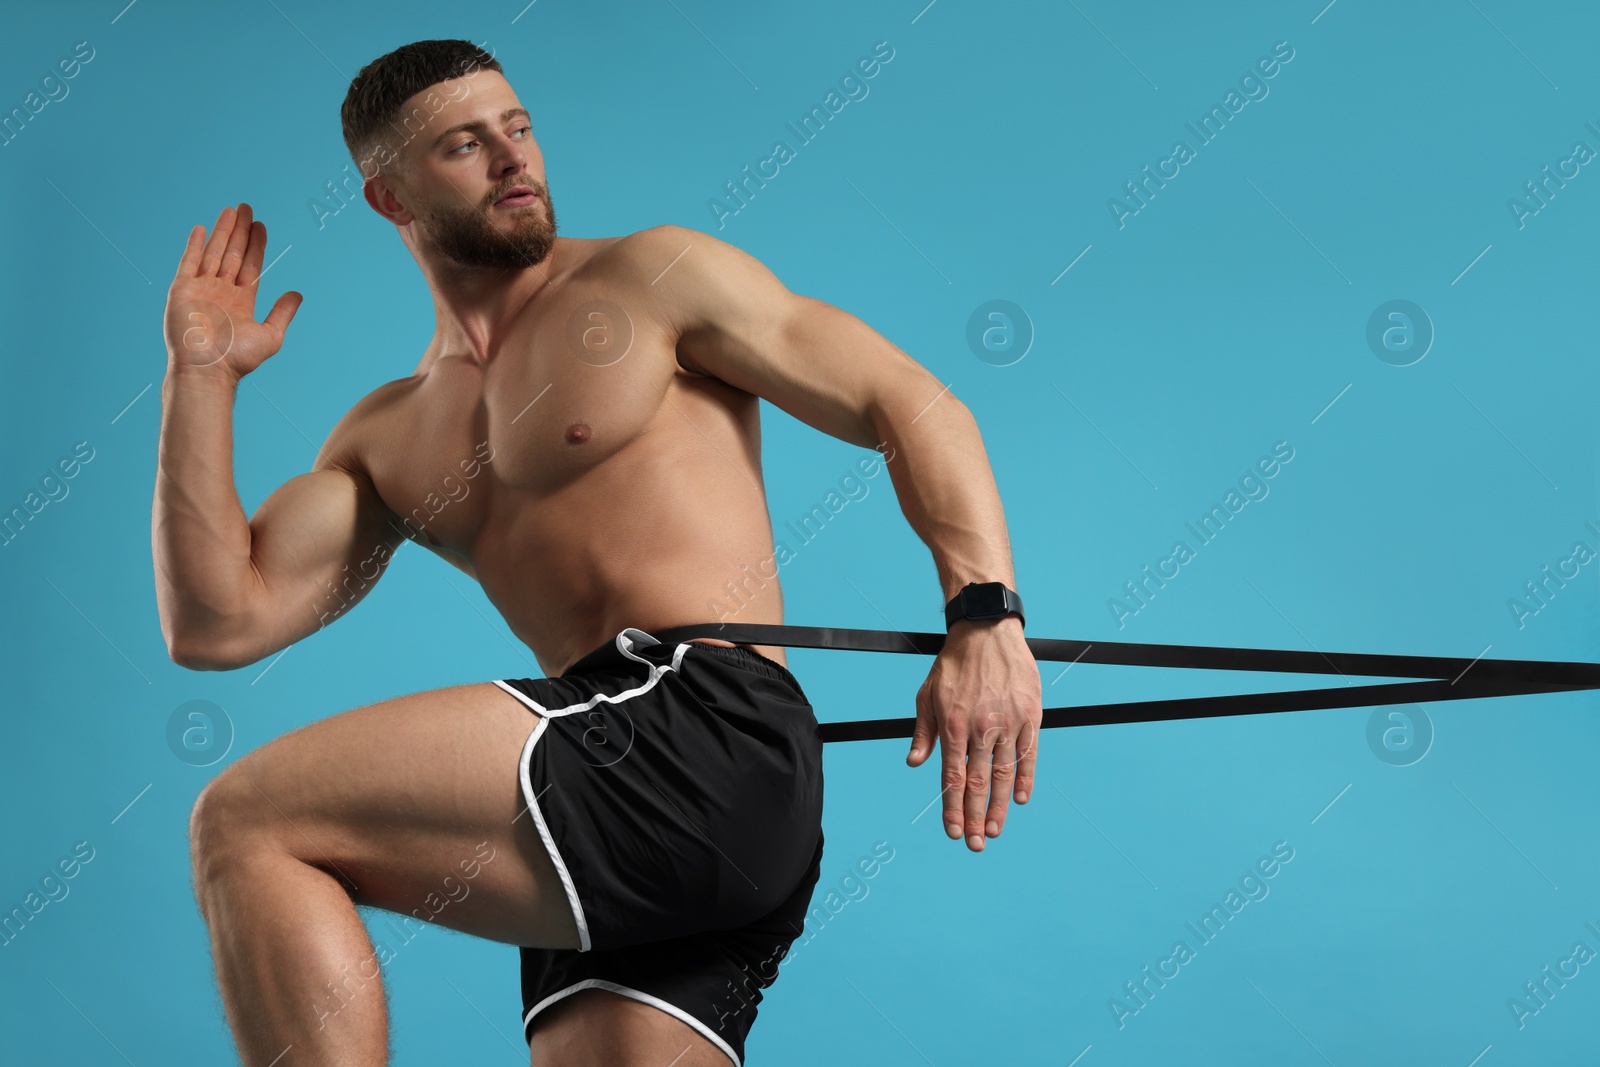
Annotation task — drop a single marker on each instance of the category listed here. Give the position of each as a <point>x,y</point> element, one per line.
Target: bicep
<point>318,543</point>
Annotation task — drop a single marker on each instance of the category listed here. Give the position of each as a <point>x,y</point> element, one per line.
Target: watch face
<point>986,600</point>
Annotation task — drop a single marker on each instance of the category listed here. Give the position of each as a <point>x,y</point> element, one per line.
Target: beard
<point>468,236</point>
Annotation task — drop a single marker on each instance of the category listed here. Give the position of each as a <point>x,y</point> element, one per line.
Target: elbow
<point>197,657</point>
<point>204,663</point>
<point>202,635</point>
<point>201,652</point>
<point>917,400</point>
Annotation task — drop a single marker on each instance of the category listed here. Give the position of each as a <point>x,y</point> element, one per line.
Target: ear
<point>382,198</point>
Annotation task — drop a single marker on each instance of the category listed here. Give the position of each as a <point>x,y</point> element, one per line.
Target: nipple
<point>578,433</point>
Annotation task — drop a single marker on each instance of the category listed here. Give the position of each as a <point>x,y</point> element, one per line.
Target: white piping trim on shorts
<point>625,641</point>
<point>524,697</point>
<point>549,842</point>
<point>625,645</point>
<point>634,994</point>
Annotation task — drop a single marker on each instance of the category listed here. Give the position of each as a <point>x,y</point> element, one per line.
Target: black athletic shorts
<point>678,790</point>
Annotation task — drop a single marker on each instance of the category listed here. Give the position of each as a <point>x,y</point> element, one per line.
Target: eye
<point>524,129</point>
<point>459,147</point>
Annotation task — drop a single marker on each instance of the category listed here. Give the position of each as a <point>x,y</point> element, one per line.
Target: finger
<point>980,752</point>
<point>1027,752</point>
<point>238,241</point>
<point>923,733</point>
<point>219,241</point>
<point>250,269</point>
<point>1001,776</point>
<point>189,262</point>
<point>953,778</point>
<point>283,311</point>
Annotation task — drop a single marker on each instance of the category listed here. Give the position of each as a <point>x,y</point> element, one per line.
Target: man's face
<point>458,169</point>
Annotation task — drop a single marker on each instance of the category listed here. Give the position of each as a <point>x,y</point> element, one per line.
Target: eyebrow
<point>505,116</point>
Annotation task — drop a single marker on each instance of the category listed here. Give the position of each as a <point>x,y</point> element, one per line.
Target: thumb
<point>283,311</point>
<point>922,735</point>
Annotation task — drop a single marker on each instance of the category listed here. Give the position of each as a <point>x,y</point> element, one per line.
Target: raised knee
<point>221,823</point>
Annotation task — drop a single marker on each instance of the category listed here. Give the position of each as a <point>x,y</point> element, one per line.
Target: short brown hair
<point>379,90</point>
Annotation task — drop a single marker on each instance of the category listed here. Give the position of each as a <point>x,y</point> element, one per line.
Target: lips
<point>519,196</point>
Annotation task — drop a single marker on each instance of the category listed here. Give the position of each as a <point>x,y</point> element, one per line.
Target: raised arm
<point>826,367</point>
<point>229,590</point>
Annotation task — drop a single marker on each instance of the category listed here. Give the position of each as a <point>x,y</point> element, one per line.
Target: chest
<point>569,390</point>
<point>585,380</point>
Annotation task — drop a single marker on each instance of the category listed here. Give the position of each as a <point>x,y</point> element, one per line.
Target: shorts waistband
<point>609,654</point>
<point>750,658</point>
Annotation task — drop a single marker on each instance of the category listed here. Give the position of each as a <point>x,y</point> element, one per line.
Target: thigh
<point>695,996</point>
<point>598,1026</point>
<point>415,804</point>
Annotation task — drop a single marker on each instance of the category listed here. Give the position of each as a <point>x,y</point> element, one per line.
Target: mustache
<point>536,186</point>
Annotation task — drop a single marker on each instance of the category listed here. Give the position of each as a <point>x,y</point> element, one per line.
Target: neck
<point>474,306</point>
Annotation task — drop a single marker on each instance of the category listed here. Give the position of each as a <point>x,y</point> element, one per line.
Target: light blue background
<point>1224,317</point>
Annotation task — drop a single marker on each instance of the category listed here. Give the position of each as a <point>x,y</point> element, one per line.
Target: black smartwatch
<point>983,600</point>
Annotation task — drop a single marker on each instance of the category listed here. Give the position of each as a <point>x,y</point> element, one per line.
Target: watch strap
<point>982,601</point>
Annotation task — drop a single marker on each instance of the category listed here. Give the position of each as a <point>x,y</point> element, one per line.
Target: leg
<point>684,1002</point>
<point>596,1026</point>
<point>411,805</point>
<point>688,993</point>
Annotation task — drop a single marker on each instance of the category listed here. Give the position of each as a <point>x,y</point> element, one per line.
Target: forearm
<point>981,703</point>
<point>199,532</point>
<point>946,488</point>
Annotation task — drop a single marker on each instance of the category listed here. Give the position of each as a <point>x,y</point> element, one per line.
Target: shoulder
<point>696,281</point>
<point>655,253</point>
<point>352,438</point>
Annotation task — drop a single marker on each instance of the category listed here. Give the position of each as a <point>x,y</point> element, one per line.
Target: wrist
<point>212,375</point>
<point>983,602</point>
<point>1008,625</point>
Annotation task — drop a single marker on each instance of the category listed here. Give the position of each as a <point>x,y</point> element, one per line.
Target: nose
<point>511,156</point>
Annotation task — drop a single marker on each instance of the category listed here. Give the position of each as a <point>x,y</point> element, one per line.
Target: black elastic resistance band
<point>1449,678</point>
